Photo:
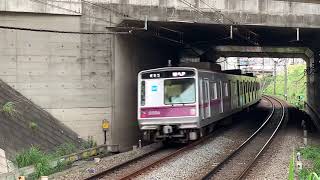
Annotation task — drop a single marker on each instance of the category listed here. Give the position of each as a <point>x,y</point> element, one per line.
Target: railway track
<point>262,136</point>
<point>238,163</point>
<point>117,171</point>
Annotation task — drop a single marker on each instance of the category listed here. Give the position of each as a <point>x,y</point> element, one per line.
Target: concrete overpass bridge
<point>82,64</point>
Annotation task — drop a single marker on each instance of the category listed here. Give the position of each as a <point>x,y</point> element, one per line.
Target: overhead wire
<point>73,11</point>
<point>57,31</point>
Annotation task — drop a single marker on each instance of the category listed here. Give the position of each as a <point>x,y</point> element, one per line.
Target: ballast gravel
<point>90,168</point>
<point>274,163</point>
<point>195,162</point>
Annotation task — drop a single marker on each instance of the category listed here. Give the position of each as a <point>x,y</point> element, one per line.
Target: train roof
<point>230,72</point>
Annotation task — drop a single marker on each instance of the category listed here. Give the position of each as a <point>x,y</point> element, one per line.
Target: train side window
<point>214,91</point>
<point>226,90</point>
<point>143,93</point>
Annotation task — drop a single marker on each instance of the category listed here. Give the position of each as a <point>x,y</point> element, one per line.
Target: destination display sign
<point>167,74</point>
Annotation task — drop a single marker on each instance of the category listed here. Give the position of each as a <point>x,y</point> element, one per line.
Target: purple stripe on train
<point>168,111</point>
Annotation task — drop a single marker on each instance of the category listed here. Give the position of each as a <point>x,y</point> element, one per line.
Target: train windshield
<point>179,91</point>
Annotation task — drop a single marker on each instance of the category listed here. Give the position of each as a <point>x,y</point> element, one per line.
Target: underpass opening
<point>194,42</point>
<point>238,57</point>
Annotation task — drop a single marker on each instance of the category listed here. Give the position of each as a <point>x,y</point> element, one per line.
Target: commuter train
<point>184,103</point>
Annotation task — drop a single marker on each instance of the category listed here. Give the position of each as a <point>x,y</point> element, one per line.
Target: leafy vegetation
<point>65,149</point>
<point>42,161</point>
<point>291,168</point>
<point>9,108</point>
<point>311,153</point>
<point>90,143</point>
<point>29,157</point>
<point>33,125</point>
<point>296,85</point>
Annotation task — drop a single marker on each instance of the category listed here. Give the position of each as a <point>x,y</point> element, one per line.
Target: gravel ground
<point>274,163</point>
<point>132,167</point>
<point>195,162</point>
<point>82,171</point>
<point>187,165</point>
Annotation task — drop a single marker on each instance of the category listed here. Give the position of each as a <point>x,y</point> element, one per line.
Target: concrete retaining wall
<point>56,71</point>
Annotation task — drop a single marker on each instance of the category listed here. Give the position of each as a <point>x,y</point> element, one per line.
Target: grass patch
<point>34,156</point>
<point>29,157</point>
<point>90,143</point>
<point>311,153</point>
<point>9,108</point>
<point>42,160</point>
<point>291,168</point>
<point>33,125</point>
<point>65,149</point>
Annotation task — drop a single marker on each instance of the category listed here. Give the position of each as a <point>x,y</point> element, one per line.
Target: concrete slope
<point>29,125</point>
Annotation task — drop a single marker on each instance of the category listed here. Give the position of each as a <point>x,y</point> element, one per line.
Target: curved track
<point>229,167</point>
<point>237,164</point>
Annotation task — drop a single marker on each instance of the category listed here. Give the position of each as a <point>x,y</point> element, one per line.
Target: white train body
<point>180,103</point>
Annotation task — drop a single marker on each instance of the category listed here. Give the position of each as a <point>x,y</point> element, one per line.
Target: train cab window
<point>179,91</point>
<point>143,93</point>
<point>214,91</point>
<point>226,90</point>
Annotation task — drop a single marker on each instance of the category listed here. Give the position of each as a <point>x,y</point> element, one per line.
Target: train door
<point>233,90</point>
<point>238,93</point>
<point>221,96</point>
<point>201,102</point>
<point>242,93</point>
<point>245,92</point>
<point>226,96</point>
<point>214,97</point>
<point>206,97</point>
<point>249,91</point>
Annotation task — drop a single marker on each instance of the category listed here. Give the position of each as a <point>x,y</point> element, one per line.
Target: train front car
<point>167,104</point>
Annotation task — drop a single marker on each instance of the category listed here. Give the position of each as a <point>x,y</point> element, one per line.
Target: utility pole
<point>285,79</point>
<point>275,62</point>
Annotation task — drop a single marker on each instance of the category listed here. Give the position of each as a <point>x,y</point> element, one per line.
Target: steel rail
<point>107,171</point>
<point>170,156</point>
<point>141,170</point>
<point>245,172</point>
<point>240,147</point>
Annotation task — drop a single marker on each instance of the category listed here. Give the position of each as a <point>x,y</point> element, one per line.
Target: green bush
<point>34,156</point>
<point>296,85</point>
<point>9,108</point>
<point>90,143</point>
<point>304,173</point>
<point>41,160</point>
<point>311,153</point>
<point>29,157</point>
<point>65,149</point>
<point>33,125</point>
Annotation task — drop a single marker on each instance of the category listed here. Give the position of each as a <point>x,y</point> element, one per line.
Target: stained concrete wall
<point>81,79</point>
<point>131,56</point>
<point>283,13</point>
<point>57,71</point>
<point>67,7</point>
